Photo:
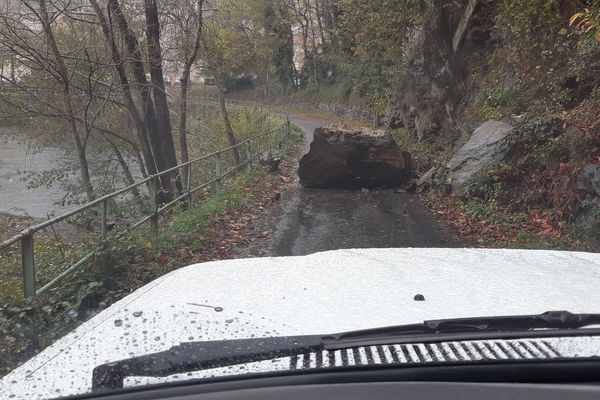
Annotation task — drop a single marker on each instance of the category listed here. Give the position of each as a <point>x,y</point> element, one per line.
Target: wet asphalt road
<point>313,220</point>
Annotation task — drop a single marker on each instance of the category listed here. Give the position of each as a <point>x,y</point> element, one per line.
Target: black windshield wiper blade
<point>196,356</point>
<point>547,320</point>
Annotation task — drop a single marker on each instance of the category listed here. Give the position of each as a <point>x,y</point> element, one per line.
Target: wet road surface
<point>320,220</point>
<point>312,220</point>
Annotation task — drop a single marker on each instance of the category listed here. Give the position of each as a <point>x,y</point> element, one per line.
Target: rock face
<point>484,149</point>
<point>354,158</point>
<point>432,86</point>
<point>589,179</point>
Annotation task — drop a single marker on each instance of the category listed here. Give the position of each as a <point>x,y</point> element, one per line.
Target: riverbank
<point>10,225</point>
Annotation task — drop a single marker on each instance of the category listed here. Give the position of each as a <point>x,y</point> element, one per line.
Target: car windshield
<point>177,171</point>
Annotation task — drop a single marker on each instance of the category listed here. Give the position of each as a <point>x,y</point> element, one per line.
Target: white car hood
<point>321,293</point>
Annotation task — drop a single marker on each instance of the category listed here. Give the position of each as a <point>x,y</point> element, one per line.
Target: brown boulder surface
<point>341,157</point>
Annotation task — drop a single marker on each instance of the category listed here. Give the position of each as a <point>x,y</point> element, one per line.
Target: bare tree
<point>65,74</point>
<point>42,53</point>
<point>229,51</point>
<point>184,19</point>
<point>226,122</point>
<point>151,117</point>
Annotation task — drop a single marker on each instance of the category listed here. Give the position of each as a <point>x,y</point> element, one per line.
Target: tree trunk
<point>185,84</point>
<point>118,62</point>
<point>165,134</point>
<point>64,77</point>
<point>314,46</point>
<point>278,24</point>
<point>13,60</point>
<point>123,163</point>
<point>162,149</point>
<point>183,147</point>
<point>84,169</point>
<point>227,124</point>
<point>463,24</point>
<point>318,14</point>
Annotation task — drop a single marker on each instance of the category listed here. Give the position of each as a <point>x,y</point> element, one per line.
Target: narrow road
<point>312,220</point>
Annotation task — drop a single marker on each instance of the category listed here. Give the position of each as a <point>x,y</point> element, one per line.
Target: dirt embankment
<point>11,225</point>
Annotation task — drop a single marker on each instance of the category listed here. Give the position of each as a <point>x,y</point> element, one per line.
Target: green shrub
<point>482,210</point>
<point>422,153</point>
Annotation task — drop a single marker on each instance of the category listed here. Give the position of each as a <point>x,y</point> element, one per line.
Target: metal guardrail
<point>262,108</point>
<point>26,237</point>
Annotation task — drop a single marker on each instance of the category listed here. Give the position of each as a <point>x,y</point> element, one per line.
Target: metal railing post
<point>189,183</point>
<point>154,186</point>
<point>280,138</point>
<point>104,259</point>
<point>104,227</point>
<point>218,173</point>
<point>28,265</point>
<point>248,156</point>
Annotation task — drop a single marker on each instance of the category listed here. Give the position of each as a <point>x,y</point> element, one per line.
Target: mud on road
<point>308,220</point>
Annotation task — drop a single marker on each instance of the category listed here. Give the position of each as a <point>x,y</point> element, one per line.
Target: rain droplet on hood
<point>118,322</point>
<point>137,313</point>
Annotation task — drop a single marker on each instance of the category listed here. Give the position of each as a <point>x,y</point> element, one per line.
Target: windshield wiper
<point>196,356</point>
<point>547,320</point>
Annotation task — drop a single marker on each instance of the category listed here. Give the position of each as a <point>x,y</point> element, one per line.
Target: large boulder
<point>351,158</point>
<point>484,149</point>
<point>589,179</point>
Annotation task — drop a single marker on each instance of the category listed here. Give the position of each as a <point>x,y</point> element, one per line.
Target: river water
<point>15,197</point>
<point>16,157</point>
